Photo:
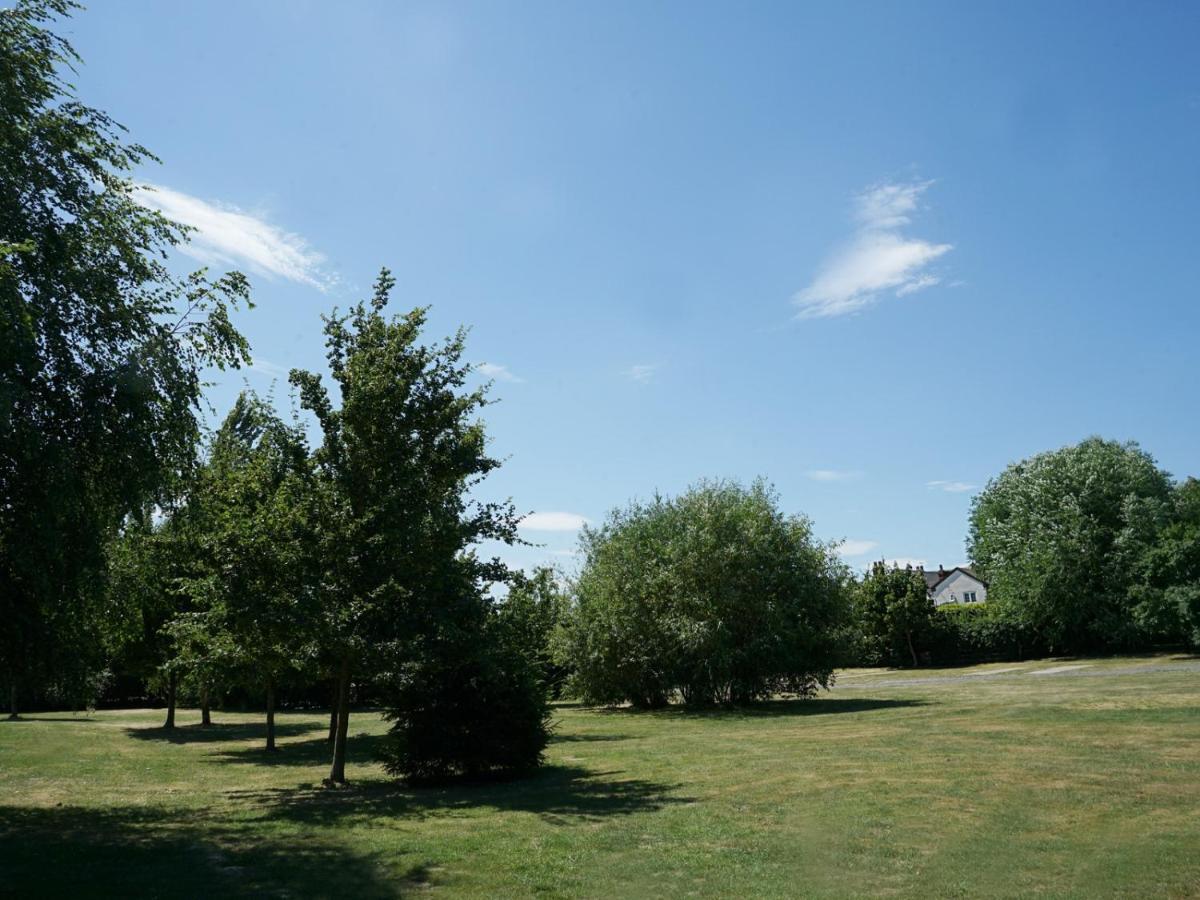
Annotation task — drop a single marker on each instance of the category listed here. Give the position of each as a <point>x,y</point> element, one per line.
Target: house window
<point>969,596</point>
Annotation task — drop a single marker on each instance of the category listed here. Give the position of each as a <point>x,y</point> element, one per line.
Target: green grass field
<point>936,783</point>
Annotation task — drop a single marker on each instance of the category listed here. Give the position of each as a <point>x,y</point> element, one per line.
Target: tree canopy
<point>402,586</point>
<point>894,613</point>
<point>715,595</point>
<point>1060,538</point>
<point>101,347</point>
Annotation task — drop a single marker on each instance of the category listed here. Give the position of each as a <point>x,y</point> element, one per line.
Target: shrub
<point>715,596</point>
<point>968,634</point>
<point>472,706</point>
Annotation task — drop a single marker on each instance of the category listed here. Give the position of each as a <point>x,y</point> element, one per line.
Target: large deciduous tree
<point>716,595</point>
<point>1060,537</point>
<point>402,591</point>
<point>101,348</point>
<point>1169,590</point>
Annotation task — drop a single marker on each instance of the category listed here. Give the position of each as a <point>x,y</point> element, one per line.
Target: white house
<point>957,585</point>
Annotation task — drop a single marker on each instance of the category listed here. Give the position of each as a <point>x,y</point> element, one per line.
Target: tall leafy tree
<point>101,348</point>
<point>254,588</point>
<point>401,582</point>
<point>1060,538</point>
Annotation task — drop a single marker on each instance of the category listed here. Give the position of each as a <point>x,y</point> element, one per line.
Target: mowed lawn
<point>937,783</point>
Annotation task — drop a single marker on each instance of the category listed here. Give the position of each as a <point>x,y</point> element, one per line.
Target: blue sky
<point>872,252</point>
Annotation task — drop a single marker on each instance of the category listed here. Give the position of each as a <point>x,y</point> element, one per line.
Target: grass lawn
<point>938,783</point>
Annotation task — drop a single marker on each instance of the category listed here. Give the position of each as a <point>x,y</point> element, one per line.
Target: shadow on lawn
<point>206,734</point>
<point>556,793</point>
<point>315,752</point>
<point>145,852</point>
<point>559,738</point>
<point>817,706</point>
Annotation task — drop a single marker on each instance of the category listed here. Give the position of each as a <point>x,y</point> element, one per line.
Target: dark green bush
<point>968,634</point>
<point>472,706</point>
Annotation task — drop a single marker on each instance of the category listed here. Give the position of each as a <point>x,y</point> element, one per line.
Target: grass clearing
<point>1084,783</point>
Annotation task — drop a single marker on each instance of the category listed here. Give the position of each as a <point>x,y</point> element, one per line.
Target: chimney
<point>941,571</point>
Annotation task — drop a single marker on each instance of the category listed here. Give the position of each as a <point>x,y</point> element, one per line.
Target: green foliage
<point>532,614</point>
<point>145,562</point>
<point>254,583</point>
<point>400,584</point>
<point>1168,595</point>
<point>894,613</point>
<point>101,349</point>
<point>471,704</point>
<point>965,634</point>
<point>716,595</point>
<point>1061,538</point>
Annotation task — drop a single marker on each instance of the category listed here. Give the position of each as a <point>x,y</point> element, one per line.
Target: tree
<point>400,583</point>
<point>532,614</point>
<point>1060,537</point>
<point>254,589</point>
<point>716,595</point>
<point>1168,594</point>
<point>101,349</point>
<point>894,612</point>
<point>146,562</point>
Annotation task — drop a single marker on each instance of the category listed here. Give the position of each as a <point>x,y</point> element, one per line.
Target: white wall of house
<point>959,587</point>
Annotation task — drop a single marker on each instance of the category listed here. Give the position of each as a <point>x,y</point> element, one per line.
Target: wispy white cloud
<point>642,373</point>
<point>878,258</point>
<point>498,372</point>
<point>953,487</point>
<point>832,475</point>
<point>268,368</point>
<point>553,521</point>
<point>228,236</point>
<point>850,548</point>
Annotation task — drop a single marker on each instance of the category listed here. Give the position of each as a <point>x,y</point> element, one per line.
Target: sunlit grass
<point>1069,785</point>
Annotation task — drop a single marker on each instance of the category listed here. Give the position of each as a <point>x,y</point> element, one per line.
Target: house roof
<point>933,579</point>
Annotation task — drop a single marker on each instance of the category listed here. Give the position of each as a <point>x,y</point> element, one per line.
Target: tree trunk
<point>333,710</point>
<point>270,715</point>
<point>172,684</point>
<point>12,700</point>
<point>205,709</point>
<point>337,772</point>
<point>911,649</point>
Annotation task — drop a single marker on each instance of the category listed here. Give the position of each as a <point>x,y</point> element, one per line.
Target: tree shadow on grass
<point>816,706</point>
<point>317,751</point>
<point>557,794</point>
<point>559,738</point>
<point>148,852</point>
<point>217,732</point>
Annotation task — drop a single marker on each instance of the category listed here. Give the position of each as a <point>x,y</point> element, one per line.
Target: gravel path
<point>1082,671</point>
